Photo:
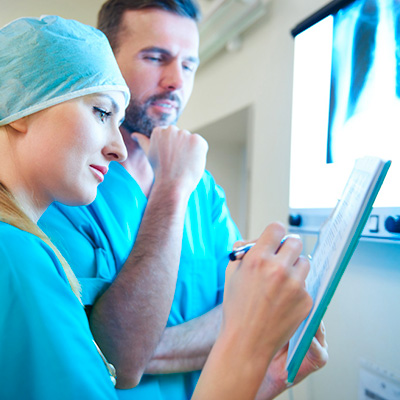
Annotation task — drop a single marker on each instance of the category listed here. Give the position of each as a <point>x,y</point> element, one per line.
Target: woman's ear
<point>20,125</point>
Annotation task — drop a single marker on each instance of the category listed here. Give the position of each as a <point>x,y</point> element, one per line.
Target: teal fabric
<point>48,60</point>
<point>46,350</point>
<point>97,239</point>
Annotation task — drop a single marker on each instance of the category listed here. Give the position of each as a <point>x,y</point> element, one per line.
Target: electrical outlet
<point>377,383</point>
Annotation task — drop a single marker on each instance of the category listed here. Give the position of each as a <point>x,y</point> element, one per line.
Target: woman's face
<point>69,146</point>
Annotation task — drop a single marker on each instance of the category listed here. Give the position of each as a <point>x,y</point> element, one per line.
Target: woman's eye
<point>103,114</point>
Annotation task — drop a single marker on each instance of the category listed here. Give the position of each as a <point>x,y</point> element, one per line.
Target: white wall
<point>363,320</point>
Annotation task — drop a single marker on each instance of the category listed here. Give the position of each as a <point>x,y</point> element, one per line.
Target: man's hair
<point>109,19</point>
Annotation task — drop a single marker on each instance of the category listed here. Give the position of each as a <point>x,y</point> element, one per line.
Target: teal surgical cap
<point>46,61</point>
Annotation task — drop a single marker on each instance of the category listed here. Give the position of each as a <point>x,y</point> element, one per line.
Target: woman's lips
<point>99,171</point>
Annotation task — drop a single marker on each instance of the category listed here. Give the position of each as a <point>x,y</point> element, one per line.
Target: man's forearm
<point>129,318</point>
<point>185,347</point>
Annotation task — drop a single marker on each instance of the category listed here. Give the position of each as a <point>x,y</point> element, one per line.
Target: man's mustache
<point>165,96</point>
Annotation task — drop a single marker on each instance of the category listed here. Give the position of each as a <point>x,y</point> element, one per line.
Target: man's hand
<point>135,308</point>
<point>178,158</point>
<point>275,380</point>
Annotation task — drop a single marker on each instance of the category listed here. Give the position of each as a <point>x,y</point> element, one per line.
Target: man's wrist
<point>172,192</point>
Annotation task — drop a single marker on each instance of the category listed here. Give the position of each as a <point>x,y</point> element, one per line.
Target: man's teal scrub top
<point>97,239</point>
<point>46,347</point>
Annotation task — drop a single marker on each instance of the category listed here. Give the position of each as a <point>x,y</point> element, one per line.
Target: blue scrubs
<point>97,239</point>
<point>47,350</point>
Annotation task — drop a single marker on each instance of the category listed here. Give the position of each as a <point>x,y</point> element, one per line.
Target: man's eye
<point>154,59</point>
<point>103,114</point>
<point>189,67</point>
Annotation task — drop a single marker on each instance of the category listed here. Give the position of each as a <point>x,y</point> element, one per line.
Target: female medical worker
<point>62,100</point>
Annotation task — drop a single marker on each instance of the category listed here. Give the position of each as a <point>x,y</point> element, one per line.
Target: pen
<point>238,253</point>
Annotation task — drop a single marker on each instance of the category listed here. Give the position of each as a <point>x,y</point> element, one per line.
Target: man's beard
<point>137,119</point>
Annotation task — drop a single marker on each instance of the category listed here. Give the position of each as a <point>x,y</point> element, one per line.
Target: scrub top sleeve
<point>226,234</point>
<point>76,233</point>
<point>46,342</point>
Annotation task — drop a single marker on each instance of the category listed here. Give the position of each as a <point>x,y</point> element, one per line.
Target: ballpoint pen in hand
<point>239,252</point>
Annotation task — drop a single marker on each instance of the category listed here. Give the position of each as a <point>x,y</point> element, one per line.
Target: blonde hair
<point>12,214</point>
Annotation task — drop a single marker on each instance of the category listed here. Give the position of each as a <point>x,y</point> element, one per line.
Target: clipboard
<point>335,246</point>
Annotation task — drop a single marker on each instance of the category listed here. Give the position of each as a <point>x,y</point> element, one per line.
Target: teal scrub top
<point>97,239</point>
<point>47,350</point>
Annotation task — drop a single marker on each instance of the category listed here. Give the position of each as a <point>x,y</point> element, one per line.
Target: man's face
<point>158,57</point>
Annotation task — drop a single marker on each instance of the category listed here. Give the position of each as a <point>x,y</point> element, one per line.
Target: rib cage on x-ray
<point>365,76</point>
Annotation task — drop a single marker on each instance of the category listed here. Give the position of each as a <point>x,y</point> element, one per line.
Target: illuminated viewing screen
<point>346,99</point>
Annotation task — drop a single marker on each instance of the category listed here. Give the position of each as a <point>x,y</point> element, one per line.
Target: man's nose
<point>173,76</point>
